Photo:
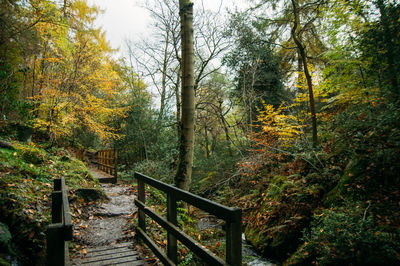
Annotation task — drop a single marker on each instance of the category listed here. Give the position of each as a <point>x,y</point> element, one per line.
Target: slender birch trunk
<point>184,172</point>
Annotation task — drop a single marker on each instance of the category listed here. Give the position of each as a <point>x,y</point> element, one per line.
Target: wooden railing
<point>60,231</point>
<point>80,154</point>
<point>232,217</point>
<point>107,161</point>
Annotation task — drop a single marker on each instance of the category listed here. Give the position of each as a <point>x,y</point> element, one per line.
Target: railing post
<point>102,161</point>
<point>142,198</point>
<point>57,184</point>
<point>172,248</point>
<point>56,202</point>
<point>56,207</point>
<point>55,245</point>
<point>115,165</point>
<point>108,161</point>
<point>234,239</point>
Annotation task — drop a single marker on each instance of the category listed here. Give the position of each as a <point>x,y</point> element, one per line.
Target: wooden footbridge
<point>60,231</point>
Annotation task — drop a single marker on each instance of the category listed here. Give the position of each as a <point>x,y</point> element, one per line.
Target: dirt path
<point>106,225</point>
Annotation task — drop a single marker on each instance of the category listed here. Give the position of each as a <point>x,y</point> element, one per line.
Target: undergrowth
<point>26,182</point>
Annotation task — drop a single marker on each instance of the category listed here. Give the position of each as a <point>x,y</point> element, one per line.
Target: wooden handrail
<point>232,216</point>
<point>60,231</point>
<point>107,161</point>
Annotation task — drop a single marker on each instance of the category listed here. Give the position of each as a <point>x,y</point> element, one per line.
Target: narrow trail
<point>103,233</point>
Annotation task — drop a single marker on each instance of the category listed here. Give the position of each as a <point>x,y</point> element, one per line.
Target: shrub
<point>156,169</point>
<point>31,153</point>
<point>347,234</point>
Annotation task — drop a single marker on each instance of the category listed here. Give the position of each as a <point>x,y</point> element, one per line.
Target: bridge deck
<point>103,177</point>
<point>121,254</point>
<point>105,237</point>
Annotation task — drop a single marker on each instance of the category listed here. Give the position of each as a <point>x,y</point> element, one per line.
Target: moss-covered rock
<point>276,227</point>
<point>90,194</point>
<point>354,170</point>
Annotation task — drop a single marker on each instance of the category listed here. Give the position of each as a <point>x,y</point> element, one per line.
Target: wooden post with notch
<point>234,238</point>
<point>115,165</point>
<point>56,205</point>
<point>172,246</point>
<point>109,170</point>
<point>55,245</point>
<point>142,198</point>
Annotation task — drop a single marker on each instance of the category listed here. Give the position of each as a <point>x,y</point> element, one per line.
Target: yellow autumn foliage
<point>77,85</point>
<point>275,127</point>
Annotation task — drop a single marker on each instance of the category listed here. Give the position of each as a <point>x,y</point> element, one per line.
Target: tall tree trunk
<point>302,51</point>
<point>178,104</point>
<point>206,144</point>
<point>299,59</point>
<point>184,172</point>
<point>164,80</point>
<point>227,137</point>
<point>389,47</point>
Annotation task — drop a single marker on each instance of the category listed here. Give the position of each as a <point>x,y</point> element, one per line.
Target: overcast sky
<point>125,19</point>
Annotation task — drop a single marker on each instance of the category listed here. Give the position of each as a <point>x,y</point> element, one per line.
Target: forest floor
<point>105,225</point>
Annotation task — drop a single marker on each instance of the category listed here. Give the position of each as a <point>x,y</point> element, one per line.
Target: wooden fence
<point>107,161</point>
<point>232,217</point>
<point>60,231</point>
<point>80,154</point>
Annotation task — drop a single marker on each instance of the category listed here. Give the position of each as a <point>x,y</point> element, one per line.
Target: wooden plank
<point>122,245</point>
<point>111,252</point>
<point>110,260</point>
<point>119,263</point>
<point>132,263</point>
<point>107,257</point>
